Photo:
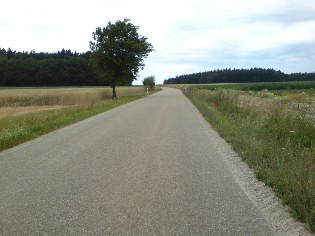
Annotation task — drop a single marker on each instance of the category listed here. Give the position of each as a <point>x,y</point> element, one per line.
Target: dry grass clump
<point>256,103</point>
<point>297,97</point>
<point>296,103</point>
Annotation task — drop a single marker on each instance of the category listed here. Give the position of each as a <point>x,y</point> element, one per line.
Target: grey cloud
<point>306,50</point>
<point>293,13</point>
<point>284,18</point>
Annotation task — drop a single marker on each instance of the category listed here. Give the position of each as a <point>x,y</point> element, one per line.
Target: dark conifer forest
<point>67,68</point>
<point>239,76</point>
<point>63,68</point>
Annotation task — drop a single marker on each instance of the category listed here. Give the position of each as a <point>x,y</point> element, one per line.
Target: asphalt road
<point>145,168</point>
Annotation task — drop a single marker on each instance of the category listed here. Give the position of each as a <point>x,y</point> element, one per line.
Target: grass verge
<point>276,141</point>
<point>16,129</point>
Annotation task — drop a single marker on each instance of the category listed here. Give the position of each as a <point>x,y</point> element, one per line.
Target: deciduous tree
<point>118,52</point>
<point>149,81</point>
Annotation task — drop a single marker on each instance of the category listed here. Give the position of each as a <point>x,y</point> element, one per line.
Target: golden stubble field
<point>20,101</point>
<point>26,113</point>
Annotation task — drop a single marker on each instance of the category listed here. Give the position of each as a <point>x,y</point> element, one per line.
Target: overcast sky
<point>188,35</point>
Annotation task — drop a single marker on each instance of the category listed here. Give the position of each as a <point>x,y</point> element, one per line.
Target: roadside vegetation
<point>26,113</point>
<point>273,130</point>
<point>261,86</point>
<point>149,82</point>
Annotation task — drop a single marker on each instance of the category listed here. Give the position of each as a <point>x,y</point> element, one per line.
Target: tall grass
<point>275,139</point>
<point>28,113</point>
<point>60,96</point>
<point>260,86</point>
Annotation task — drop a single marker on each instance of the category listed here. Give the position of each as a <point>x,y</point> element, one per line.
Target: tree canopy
<point>149,81</point>
<point>62,68</point>
<point>118,52</point>
<point>239,76</point>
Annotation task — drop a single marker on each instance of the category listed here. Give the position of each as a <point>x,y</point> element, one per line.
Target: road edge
<point>262,196</point>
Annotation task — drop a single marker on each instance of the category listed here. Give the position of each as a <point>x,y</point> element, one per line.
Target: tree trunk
<point>114,90</point>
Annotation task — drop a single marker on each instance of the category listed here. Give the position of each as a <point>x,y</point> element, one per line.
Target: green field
<point>26,113</point>
<point>260,86</point>
<point>272,127</point>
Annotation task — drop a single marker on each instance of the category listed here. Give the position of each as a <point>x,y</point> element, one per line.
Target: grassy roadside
<point>274,134</point>
<point>261,86</point>
<point>18,128</point>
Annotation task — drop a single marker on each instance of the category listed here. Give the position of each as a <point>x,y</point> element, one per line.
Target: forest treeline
<point>62,68</point>
<point>67,68</point>
<point>239,76</point>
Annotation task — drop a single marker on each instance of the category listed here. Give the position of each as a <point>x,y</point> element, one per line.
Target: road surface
<point>145,168</point>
